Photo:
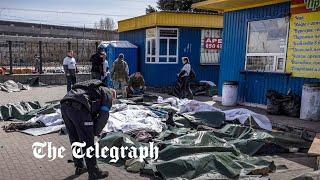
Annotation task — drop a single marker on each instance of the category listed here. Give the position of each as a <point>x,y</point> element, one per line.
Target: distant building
<point>44,30</point>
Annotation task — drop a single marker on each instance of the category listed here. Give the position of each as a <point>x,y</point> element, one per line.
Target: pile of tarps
<point>283,104</point>
<point>11,86</point>
<point>31,112</point>
<point>241,115</point>
<point>223,151</point>
<point>128,118</point>
<point>20,110</point>
<point>203,88</point>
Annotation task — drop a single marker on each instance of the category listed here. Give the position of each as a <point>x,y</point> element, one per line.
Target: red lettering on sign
<point>212,43</point>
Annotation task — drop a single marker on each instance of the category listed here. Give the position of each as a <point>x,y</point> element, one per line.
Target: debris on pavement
<point>11,86</point>
<point>283,104</point>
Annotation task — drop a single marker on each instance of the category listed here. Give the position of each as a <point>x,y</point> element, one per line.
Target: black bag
<point>282,104</point>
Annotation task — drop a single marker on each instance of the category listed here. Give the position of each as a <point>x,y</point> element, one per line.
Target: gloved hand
<point>100,122</point>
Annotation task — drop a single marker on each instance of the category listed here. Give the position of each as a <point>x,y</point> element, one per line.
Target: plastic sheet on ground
<point>133,117</point>
<point>52,119</point>
<point>210,83</point>
<point>222,154</point>
<point>241,114</point>
<point>11,86</point>
<point>213,119</point>
<point>195,106</point>
<point>315,175</point>
<point>186,105</point>
<point>31,112</point>
<point>18,110</point>
<point>43,130</point>
<point>244,115</point>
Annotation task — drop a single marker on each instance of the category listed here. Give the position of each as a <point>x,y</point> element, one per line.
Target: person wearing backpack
<point>186,75</point>
<point>120,75</point>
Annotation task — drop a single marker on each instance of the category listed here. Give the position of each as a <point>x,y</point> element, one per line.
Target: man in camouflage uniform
<point>136,85</point>
<point>120,74</point>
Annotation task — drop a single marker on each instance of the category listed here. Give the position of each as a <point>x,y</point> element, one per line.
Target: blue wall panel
<point>165,74</point>
<point>131,56</point>
<point>137,38</point>
<point>253,86</point>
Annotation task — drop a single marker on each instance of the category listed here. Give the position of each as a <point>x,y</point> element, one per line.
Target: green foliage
<point>176,5</point>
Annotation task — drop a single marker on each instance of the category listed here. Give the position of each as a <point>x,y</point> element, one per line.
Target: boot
<point>79,171</point>
<point>98,174</point>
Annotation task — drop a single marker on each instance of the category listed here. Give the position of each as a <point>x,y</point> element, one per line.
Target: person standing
<point>120,74</point>
<point>85,111</point>
<point>185,75</point>
<point>106,78</point>
<point>97,64</point>
<point>70,69</point>
<point>37,64</point>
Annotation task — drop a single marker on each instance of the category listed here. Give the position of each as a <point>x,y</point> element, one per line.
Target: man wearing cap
<point>120,74</point>
<point>97,63</point>
<point>85,111</point>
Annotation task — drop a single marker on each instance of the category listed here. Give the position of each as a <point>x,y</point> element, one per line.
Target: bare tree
<point>104,26</point>
<point>150,9</point>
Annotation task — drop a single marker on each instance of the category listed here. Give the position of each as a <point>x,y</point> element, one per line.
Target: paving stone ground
<point>17,160</point>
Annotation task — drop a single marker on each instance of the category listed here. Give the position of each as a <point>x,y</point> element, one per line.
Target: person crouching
<point>136,85</point>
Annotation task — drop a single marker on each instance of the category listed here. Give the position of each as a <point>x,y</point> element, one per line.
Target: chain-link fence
<point>27,55</point>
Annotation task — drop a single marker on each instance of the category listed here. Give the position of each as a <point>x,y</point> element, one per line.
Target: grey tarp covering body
<point>240,114</point>
<point>198,155</point>
<point>43,130</point>
<point>186,153</point>
<point>25,110</point>
<point>32,112</point>
<point>11,86</point>
<point>18,111</point>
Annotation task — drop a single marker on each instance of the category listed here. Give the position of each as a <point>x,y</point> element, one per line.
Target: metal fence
<point>27,55</point>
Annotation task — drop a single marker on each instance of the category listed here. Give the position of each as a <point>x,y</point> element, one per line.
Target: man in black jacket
<point>97,64</point>
<point>85,111</point>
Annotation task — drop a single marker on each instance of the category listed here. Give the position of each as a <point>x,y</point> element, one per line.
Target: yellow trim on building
<point>298,5</point>
<point>233,5</point>
<point>171,19</point>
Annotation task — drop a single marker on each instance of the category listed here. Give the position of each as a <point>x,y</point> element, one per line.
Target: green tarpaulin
<point>25,110</point>
<point>220,154</point>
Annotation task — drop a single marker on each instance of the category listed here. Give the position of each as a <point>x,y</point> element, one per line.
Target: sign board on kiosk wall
<point>211,44</point>
<point>303,57</point>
